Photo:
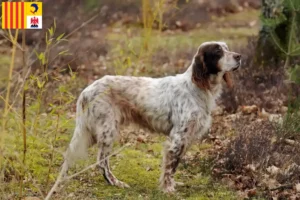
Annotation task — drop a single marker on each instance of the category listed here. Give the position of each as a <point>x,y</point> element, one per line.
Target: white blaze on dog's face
<point>230,60</point>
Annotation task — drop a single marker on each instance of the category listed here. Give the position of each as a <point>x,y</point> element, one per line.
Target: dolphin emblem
<point>35,6</point>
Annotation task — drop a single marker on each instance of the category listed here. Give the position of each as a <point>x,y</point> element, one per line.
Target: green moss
<point>140,168</point>
<point>138,165</point>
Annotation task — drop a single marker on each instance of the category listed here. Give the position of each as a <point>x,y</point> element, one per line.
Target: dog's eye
<point>219,49</point>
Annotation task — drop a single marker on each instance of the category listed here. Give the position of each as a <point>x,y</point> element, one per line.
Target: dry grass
<point>261,158</point>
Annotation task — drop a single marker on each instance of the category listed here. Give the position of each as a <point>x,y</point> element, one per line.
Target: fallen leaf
<point>251,192</point>
<point>141,138</point>
<point>251,167</point>
<point>263,114</point>
<point>277,118</point>
<point>249,109</point>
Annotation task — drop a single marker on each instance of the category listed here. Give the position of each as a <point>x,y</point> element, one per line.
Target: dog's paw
<point>169,190</point>
<point>179,183</point>
<point>121,184</point>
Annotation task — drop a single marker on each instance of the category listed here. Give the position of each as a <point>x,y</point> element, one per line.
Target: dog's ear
<point>227,78</point>
<point>200,72</point>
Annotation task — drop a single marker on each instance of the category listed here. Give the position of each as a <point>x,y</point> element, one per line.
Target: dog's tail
<point>78,149</point>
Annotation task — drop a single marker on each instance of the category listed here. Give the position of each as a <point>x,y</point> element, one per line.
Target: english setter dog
<point>179,106</point>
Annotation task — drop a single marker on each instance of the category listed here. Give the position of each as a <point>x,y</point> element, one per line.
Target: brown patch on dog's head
<point>199,76</point>
<point>206,62</point>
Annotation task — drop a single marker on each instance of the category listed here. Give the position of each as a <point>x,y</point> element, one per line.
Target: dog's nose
<point>237,57</point>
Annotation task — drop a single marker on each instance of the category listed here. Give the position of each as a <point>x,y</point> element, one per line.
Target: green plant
<point>45,99</point>
<point>290,128</point>
<point>287,20</point>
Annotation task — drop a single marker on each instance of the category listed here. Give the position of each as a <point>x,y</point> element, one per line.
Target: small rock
<point>273,170</point>
<point>283,109</point>
<point>251,192</point>
<point>251,167</point>
<point>277,118</point>
<point>218,142</point>
<point>71,194</point>
<point>149,169</point>
<point>252,23</point>
<point>141,138</point>
<point>233,117</point>
<point>259,120</point>
<point>270,182</point>
<point>178,23</point>
<point>290,142</point>
<point>297,187</point>
<point>218,111</point>
<point>263,114</point>
<point>228,181</point>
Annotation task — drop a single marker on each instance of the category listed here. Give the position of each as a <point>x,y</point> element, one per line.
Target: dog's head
<point>213,58</point>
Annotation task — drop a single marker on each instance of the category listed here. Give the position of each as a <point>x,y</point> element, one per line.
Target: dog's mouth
<point>237,66</point>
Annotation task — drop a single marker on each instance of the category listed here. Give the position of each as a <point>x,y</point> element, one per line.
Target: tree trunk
<point>267,54</point>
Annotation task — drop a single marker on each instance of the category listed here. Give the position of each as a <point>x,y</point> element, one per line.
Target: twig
<point>282,187</point>
<point>36,185</point>
<point>10,40</point>
<point>60,178</point>
<point>10,74</point>
<point>95,164</point>
<point>82,25</point>
<point>24,97</point>
<point>22,85</point>
<point>52,144</point>
<point>292,142</point>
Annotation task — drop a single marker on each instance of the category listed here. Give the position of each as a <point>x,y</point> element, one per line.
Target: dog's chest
<point>206,124</point>
<point>204,117</point>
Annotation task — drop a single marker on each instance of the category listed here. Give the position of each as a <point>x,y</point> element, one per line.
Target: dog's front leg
<point>175,147</point>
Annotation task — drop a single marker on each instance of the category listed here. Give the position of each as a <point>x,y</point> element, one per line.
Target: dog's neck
<point>215,81</point>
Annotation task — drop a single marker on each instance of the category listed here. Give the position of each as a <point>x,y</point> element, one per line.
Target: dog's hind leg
<point>106,137</point>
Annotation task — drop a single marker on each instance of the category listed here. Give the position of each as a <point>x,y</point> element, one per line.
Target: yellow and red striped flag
<point>22,15</point>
